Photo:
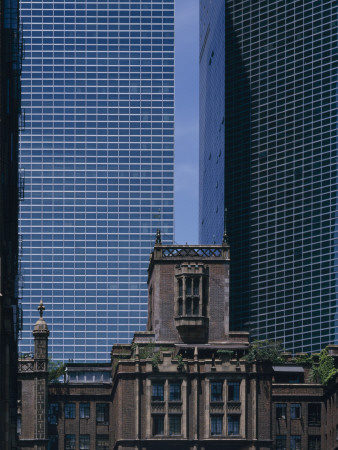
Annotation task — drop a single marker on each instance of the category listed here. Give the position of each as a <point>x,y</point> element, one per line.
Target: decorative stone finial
<point>225,239</point>
<point>158,237</point>
<point>41,308</point>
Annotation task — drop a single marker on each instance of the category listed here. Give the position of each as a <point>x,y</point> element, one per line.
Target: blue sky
<point>186,121</point>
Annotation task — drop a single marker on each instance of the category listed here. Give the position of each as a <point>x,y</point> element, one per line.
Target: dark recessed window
<point>102,442</point>
<point>158,425</point>
<point>280,442</point>
<point>157,392</point>
<point>70,442</point>
<point>174,392</point>
<point>174,424</point>
<point>233,425</point>
<point>84,442</point>
<point>84,410</point>
<point>281,411</point>
<point>233,391</point>
<point>216,425</point>
<point>314,414</point>
<point>314,442</point>
<point>53,413</point>
<point>216,388</point>
<point>102,413</point>
<point>295,411</point>
<point>69,410</point>
<point>295,442</point>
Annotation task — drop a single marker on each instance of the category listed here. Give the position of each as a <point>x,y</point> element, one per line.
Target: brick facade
<point>166,391</point>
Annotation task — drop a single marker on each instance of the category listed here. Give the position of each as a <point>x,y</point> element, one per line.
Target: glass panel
<point>233,425</point>
<point>216,388</point>
<point>233,391</point>
<point>216,425</point>
<point>158,425</point>
<point>157,392</point>
<point>175,392</point>
<point>174,425</point>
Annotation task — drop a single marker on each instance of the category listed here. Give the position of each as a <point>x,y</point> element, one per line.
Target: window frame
<point>175,394</point>
<point>216,425</point>
<point>234,388</point>
<point>70,441</point>
<point>280,442</point>
<point>53,413</point>
<point>175,424</point>
<point>233,425</point>
<point>158,425</point>
<point>104,444</point>
<point>157,391</point>
<point>293,411</point>
<point>294,440</point>
<point>83,409</point>
<point>102,413</point>
<point>216,391</point>
<point>70,410</point>
<point>314,418</point>
<point>280,407</point>
<point>84,442</point>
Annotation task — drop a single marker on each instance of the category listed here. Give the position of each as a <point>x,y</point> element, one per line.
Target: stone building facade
<point>183,383</point>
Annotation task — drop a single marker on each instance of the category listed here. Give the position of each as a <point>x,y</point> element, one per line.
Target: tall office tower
<point>268,149</point>
<point>10,68</point>
<point>98,150</point>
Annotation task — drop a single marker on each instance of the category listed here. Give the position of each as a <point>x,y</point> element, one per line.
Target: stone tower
<point>33,375</point>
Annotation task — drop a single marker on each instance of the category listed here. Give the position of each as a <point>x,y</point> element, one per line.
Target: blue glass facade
<point>275,132</point>
<point>98,155</point>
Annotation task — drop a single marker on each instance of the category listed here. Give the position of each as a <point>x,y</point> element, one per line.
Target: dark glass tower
<point>268,153</point>
<point>98,155</point>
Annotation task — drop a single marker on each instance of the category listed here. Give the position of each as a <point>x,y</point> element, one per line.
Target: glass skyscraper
<point>268,155</point>
<point>98,158</point>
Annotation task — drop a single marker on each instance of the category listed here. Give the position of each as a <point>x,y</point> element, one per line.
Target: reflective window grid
<point>98,157</point>
<point>279,136</point>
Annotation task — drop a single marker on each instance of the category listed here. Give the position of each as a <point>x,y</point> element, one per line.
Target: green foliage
<point>224,354</point>
<point>180,362</point>
<point>148,351</point>
<point>56,369</point>
<point>304,360</point>
<point>265,350</point>
<point>325,370</point>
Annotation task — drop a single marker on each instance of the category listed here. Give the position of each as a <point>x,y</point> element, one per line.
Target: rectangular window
<point>70,442</point>
<point>102,413</point>
<point>174,425</point>
<point>295,411</point>
<point>216,425</point>
<point>314,414</point>
<point>281,411</point>
<point>84,410</point>
<point>84,442</point>
<point>53,413</point>
<point>157,392</point>
<point>70,411</point>
<point>295,443</point>
<point>174,392</point>
<point>233,391</point>
<point>53,442</point>
<point>280,442</point>
<point>102,442</point>
<point>314,443</point>
<point>233,425</point>
<point>216,388</point>
<point>158,425</point>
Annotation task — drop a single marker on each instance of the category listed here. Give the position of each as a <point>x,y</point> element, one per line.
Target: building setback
<point>183,383</point>
<point>268,138</point>
<point>10,313</point>
<point>98,156</point>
